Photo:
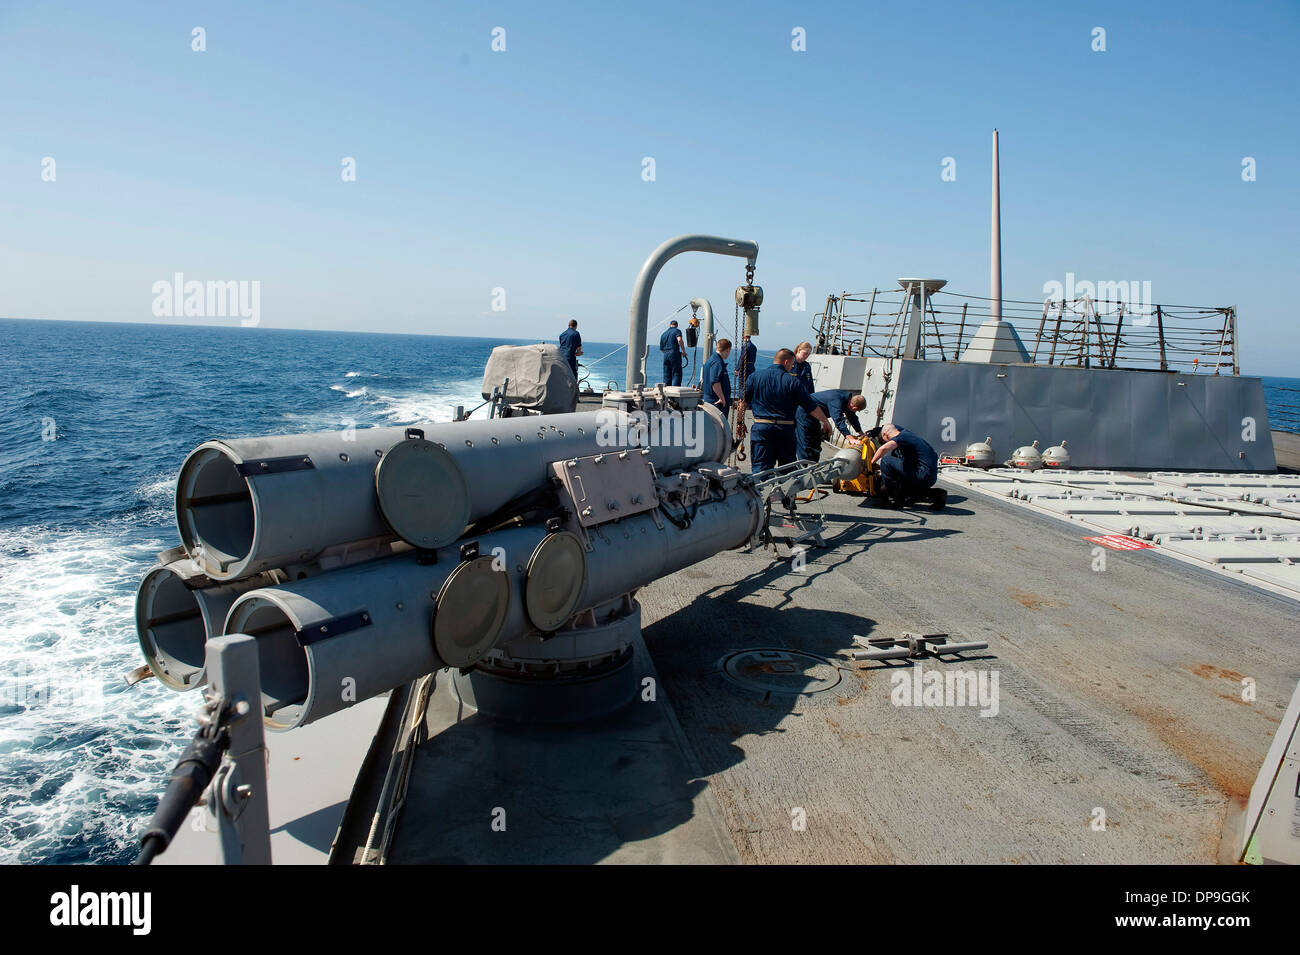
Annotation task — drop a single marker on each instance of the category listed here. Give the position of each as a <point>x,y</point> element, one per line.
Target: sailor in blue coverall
<point>745,361</point>
<point>908,466</point>
<point>571,346</point>
<point>804,422</point>
<point>842,407</point>
<point>715,373</point>
<point>670,343</point>
<point>801,369</point>
<point>772,395</point>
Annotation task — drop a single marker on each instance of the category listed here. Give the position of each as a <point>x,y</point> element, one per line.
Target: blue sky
<point>522,169</point>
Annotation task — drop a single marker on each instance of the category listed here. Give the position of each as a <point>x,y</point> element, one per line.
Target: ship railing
<point>1081,332</point>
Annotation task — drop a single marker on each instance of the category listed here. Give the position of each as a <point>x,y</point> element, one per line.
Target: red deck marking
<point>1119,542</point>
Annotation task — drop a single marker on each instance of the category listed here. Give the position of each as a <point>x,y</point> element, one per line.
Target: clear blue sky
<point>522,169</point>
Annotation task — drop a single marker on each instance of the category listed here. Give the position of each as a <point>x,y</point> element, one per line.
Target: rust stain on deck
<point>1031,600</point>
<point>1208,671</point>
<point>1203,748</point>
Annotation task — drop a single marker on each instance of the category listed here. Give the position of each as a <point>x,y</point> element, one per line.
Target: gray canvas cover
<point>539,379</point>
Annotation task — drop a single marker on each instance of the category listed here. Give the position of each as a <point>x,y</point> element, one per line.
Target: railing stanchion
<point>1119,325</point>
<point>1160,331</point>
<point>1232,317</point>
<point>1039,339</point>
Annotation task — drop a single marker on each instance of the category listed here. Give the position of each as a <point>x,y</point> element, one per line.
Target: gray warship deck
<point>1120,691</point>
<point>1287,448</point>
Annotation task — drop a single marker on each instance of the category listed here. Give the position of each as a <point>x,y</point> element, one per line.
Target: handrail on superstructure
<point>1098,333</point>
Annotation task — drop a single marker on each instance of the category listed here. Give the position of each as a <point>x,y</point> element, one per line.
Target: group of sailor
<point>790,417</point>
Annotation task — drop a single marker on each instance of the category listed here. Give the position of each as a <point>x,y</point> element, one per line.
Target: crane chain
<point>740,383</point>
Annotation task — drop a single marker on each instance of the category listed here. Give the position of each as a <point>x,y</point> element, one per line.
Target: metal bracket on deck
<point>224,767</point>
<point>910,645</point>
<point>237,796</point>
<point>781,485</point>
<point>807,527</point>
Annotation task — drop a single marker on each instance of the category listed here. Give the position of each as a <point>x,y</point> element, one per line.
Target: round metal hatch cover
<point>776,671</point>
<point>422,493</point>
<point>470,612</point>
<point>557,575</point>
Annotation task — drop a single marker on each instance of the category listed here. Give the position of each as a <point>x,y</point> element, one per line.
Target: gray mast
<point>995,245</point>
<point>996,341</point>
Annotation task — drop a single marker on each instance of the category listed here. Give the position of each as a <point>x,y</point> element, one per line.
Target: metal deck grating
<point>1231,524</point>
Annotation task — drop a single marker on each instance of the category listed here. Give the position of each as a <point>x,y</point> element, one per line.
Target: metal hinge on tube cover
<point>332,628</point>
<point>293,462</point>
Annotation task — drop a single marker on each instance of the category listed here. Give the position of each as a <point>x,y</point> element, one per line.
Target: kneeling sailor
<point>908,467</point>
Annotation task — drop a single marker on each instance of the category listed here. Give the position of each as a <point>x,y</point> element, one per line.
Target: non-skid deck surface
<point>1120,692</point>
<point>617,790</point>
<point>1121,733</point>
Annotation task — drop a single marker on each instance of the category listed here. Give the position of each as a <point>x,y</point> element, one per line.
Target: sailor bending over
<point>908,467</point>
<point>842,407</point>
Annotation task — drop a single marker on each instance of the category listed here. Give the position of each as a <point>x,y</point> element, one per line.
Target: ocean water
<point>95,420</point>
<point>1283,398</point>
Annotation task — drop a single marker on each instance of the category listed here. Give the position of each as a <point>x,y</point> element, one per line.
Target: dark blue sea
<point>1283,398</point>
<point>95,420</point>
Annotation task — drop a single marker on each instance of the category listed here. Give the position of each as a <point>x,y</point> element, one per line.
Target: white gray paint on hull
<point>1112,418</point>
